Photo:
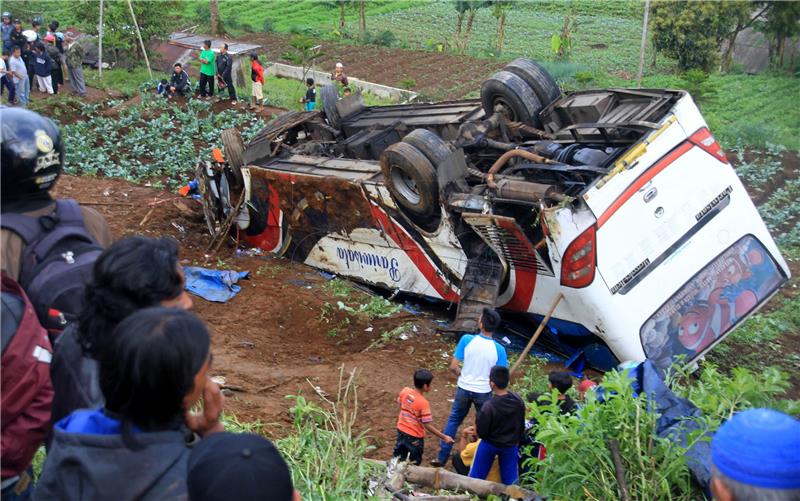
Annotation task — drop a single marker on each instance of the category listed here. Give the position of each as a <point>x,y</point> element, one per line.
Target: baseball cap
<point>759,447</point>
<point>241,466</point>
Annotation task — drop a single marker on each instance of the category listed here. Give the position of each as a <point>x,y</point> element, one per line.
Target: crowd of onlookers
<point>216,72</point>
<point>49,59</point>
<point>102,361</point>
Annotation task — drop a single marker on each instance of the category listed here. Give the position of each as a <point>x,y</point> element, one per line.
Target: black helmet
<point>7,14</point>
<point>31,153</point>
<point>37,20</point>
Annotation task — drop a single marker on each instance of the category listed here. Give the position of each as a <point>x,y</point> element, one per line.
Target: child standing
<point>415,419</point>
<point>257,76</point>
<point>311,95</point>
<point>500,426</point>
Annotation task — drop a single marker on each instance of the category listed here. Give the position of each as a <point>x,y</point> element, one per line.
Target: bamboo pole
<point>141,42</point>
<point>536,334</point>
<point>644,43</point>
<point>100,44</point>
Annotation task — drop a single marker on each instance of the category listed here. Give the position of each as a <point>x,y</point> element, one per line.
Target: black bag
<point>57,262</point>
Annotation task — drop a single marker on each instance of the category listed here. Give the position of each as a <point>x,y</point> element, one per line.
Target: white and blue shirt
<point>478,354</point>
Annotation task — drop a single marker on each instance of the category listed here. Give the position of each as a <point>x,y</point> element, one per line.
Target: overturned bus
<point>615,209</point>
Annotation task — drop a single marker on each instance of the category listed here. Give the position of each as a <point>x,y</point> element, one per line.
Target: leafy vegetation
<point>324,452</point>
<point>152,141</point>
<point>579,462</point>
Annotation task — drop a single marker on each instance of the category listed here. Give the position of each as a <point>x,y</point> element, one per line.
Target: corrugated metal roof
<point>192,41</point>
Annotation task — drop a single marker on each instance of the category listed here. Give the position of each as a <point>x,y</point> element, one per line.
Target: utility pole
<point>139,34</point>
<point>644,43</point>
<point>100,44</point>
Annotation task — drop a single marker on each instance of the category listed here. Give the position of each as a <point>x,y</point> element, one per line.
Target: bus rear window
<point>711,303</point>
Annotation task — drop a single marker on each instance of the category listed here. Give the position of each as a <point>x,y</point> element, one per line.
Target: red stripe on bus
<point>414,252</point>
<point>644,179</point>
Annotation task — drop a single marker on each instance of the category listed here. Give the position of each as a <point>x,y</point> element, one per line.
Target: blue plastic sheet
<point>213,285</point>
<point>678,417</point>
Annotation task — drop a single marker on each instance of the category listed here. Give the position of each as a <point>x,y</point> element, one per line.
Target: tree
<point>499,10</point>
<point>466,8</point>
<point>342,6</point>
<point>744,15</point>
<point>782,22</point>
<point>213,6</point>
<point>692,32</point>
<point>304,53</point>
<point>362,16</point>
<point>155,20</point>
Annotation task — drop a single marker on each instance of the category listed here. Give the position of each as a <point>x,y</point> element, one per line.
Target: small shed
<point>182,46</point>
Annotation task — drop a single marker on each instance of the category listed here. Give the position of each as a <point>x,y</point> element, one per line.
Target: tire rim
<point>405,185</point>
<point>508,110</point>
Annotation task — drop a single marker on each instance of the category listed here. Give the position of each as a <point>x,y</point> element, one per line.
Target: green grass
<point>529,28</point>
<point>126,81</point>
<point>285,15</point>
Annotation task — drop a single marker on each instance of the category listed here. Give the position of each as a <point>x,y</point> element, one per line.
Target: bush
<point>408,83</point>
<point>579,464</point>
<point>384,39</point>
<point>697,84</point>
<point>268,26</point>
<point>325,454</point>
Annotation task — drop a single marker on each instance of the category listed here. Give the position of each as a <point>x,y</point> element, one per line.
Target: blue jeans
<point>458,412</point>
<point>508,458</point>
<point>7,82</point>
<point>23,90</point>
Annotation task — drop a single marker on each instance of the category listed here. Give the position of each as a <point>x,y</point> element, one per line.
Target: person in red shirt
<point>415,419</point>
<point>257,77</point>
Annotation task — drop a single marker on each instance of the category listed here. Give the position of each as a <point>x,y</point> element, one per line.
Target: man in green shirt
<point>207,70</point>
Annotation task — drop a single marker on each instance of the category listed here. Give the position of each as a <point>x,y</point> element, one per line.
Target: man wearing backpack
<point>48,246</point>
<point>25,388</point>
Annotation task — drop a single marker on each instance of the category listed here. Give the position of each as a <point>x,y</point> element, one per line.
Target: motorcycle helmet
<point>31,153</point>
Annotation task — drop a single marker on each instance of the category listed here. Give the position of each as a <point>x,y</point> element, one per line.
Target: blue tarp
<point>678,417</point>
<point>213,285</point>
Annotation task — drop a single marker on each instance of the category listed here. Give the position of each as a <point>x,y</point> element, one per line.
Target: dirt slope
<point>273,339</point>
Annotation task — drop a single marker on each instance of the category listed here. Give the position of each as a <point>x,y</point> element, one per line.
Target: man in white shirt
<point>473,359</point>
<point>6,78</point>
<point>17,68</point>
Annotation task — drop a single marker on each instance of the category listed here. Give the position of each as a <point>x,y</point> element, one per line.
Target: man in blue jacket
<point>42,68</point>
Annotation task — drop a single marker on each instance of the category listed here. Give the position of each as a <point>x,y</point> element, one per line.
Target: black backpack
<point>57,262</point>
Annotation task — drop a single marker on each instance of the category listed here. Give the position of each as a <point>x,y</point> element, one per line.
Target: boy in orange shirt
<point>415,418</point>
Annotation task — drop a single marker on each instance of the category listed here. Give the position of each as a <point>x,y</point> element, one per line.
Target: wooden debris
<point>439,478</point>
<point>619,469</point>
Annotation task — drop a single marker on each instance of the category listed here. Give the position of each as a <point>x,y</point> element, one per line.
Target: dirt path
<point>275,337</point>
